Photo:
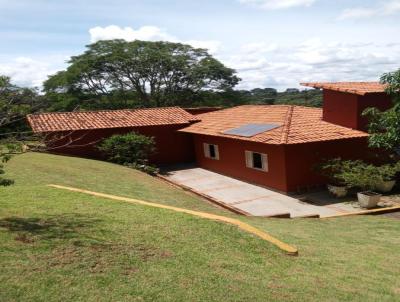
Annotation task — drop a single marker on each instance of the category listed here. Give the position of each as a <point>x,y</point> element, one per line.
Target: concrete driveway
<point>252,199</point>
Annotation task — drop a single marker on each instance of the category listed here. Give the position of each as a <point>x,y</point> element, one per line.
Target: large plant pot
<point>385,186</point>
<point>337,191</point>
<point>368,200</point>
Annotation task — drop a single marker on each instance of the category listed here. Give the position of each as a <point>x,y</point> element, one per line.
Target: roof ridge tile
<point>287,124</point>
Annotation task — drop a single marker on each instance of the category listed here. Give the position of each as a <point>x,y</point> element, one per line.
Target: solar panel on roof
<point>250,130</point>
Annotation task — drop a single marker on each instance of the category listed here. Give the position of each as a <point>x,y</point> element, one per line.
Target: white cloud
<point>146,33</point>
<point>26,71</point>
<point>283,66</point>
<point>262,64</point>
<point>259,64</point>
<point>357,13</point>
<point>385,8</point>
<point>277,4</point>
<point>212,46</point>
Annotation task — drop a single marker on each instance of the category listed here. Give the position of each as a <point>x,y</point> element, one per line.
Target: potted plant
<point>365,177</point>
<point>332,169</point>
<point>387,175</point>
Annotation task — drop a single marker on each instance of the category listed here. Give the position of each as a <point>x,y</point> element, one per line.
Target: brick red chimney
<point>345,109</point>
<point>344,102</point>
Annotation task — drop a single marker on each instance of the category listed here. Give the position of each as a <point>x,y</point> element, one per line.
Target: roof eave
<point>326,87</point>
<point>287,143</point>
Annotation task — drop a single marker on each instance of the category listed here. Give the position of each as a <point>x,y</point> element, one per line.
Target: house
<point>77,133</point>
<point>276,146</point>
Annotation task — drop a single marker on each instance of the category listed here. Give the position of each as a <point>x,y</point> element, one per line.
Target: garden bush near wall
<point>362,176</point>
<point>335,170</point>
<point>358,174</point>
<point>132,150</point>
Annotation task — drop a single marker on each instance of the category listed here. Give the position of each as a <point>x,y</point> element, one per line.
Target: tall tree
<point>157,73</point>
<point>15,103</point>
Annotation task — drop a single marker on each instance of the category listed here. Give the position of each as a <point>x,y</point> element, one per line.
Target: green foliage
<point>309,98</point>
<point>358,174</point>
<point>155,73</point>
<point>330,169</point>
<point>15,103</point>
<point>4,181</point>
<point>118,74</point>
<point>7,149</point>
<point>129,149</point>
<point>388,172</point>
<point>384,127</point>
<point>361,175</point>
<point>334,169</point>
<point>392,79</point>
<point>257,96</point>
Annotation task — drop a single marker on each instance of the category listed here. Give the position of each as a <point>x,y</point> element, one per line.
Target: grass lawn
<point>64,246</point>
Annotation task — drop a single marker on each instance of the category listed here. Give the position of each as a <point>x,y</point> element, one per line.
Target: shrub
<point>361,175</point>
<point>131,149</point>
<point>356,173</point>
<point>366,176</point>
<point>7,149</point>
<point>334,169</point>
<point>388,172</point>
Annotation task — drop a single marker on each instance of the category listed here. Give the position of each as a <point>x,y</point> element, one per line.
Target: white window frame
<point>249,161</point>
<point>206,149</point>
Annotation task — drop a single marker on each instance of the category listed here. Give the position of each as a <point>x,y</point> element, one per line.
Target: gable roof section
<point>360,88</point>
<point>297,124</point>
<point>86,120</point>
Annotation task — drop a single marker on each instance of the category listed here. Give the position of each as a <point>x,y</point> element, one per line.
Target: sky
<point>270,43</point>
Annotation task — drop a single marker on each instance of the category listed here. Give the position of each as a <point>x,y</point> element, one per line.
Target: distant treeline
<point>260,96</point>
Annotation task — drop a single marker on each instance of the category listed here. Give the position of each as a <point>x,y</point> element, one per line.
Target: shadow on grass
<point>72,247</point>
<point>52,227</point>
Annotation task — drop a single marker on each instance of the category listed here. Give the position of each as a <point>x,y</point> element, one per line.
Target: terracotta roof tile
<point>297,124</point>
<point>67,121</point>
<point>360,88</point>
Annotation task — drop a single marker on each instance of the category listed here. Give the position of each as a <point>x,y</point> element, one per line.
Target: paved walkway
<point>255,200</point>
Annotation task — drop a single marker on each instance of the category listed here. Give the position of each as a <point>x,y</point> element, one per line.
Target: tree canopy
<point>15,103</point>
<point>384,127</point>
<point>155,73</point>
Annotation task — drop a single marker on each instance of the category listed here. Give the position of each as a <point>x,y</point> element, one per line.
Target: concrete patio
<point>251,199</point>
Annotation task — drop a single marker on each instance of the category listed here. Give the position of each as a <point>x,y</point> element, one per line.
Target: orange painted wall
<point>345,109</point>
<point>291,167</point>
<point>302,159</point>
<point>340,108</point>
<point>232,161</point>
<point>172,146</point>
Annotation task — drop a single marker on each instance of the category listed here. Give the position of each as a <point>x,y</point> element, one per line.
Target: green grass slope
<point>65,246</point>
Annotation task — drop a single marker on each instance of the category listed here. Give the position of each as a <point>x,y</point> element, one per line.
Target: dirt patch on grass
<point>100,258</point>
<point>24,238</point>
<point>69,245</point>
